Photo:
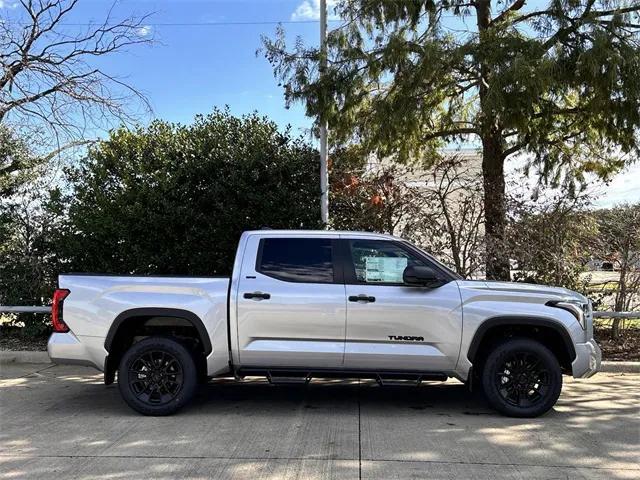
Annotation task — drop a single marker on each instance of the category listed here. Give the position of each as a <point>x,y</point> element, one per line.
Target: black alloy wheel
<point>522,378</point>
<point>157,376</point>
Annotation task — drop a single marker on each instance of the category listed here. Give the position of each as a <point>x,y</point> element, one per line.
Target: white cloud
<point>5,4</point>
<point>623,188</point>
<point>310,10</point>
<point>144,31</point>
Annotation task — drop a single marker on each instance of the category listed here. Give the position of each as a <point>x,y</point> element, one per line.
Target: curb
<point>23,356</point>
<point>620,367</point>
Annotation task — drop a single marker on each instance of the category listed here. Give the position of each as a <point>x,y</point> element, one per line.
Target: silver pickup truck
<point>303,304</point>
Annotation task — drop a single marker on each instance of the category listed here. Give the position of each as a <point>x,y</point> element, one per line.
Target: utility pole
<point>324,170</point>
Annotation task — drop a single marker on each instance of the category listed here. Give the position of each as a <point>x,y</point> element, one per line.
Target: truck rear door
<point>291,304</point>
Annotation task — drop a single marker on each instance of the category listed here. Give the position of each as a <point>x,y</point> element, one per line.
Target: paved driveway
<point>61,422</point>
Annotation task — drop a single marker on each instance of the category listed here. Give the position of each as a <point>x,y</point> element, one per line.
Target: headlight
<point>577,308</point>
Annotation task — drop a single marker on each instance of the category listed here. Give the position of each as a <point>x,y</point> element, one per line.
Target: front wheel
<point>522,378</point>
<point>157,376</point>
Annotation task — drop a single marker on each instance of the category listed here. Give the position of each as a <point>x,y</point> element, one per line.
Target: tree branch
<point>47,78</point>
<point>515,6</point>
<point>451,133</point>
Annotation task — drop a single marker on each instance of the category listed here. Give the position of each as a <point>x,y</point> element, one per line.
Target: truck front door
<point>393,326</point>
<point>291,305</point>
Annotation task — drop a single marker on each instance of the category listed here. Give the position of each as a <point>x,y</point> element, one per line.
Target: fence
<point>616,314</point>
<point>24,309</point>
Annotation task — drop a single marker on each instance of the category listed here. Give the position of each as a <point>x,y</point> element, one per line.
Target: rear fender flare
<point>160,312</point>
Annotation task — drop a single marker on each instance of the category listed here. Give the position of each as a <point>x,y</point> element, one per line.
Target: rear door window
<point>307,260</point>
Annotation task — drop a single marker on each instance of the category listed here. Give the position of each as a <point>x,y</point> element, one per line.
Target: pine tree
<point>559,83</point>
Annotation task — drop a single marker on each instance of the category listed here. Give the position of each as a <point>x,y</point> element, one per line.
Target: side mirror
<point>417,275</point>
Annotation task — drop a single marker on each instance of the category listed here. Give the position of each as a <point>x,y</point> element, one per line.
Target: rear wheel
<point>157,376</point>
<point>522,378</point>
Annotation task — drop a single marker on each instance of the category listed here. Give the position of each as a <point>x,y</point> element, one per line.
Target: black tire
<point>157,376</point>
<point>521,378</point>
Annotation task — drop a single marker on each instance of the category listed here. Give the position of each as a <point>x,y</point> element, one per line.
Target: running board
<point>281,376</point>
<point>287,380</point>
<point>395,382</point>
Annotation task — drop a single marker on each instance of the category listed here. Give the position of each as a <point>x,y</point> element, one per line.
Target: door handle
<point>362,298</point>
<point>257,296</point>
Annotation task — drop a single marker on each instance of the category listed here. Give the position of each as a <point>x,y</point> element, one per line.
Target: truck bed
<point>96,300</point>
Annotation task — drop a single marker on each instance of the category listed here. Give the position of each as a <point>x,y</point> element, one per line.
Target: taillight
<point>56,310</point>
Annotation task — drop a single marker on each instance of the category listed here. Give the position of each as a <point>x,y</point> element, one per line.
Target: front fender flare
<point>523,321</point>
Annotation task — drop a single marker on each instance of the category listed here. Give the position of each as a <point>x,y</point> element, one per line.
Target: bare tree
<point>439,208</point>
<point>551,236</point>
<point>49,82</point>
<point>619,242</point>
<point>450,223</point>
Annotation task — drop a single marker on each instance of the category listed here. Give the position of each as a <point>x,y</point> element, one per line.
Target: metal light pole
<point>324,171</point>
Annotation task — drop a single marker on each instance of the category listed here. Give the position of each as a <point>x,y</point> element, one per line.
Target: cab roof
<point>319,233</point>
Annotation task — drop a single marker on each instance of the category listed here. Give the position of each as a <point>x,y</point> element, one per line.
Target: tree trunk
<point>495,212</point>
<point>621,297</point>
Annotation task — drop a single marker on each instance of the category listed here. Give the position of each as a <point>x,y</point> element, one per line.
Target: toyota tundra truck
<point>324,304</point>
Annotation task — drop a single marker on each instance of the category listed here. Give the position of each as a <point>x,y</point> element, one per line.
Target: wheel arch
<point>523,325</point>
<point>128,320</point>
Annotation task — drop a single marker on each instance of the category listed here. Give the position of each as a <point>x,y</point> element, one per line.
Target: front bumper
<point>66,348</point>
<point>588,359</point>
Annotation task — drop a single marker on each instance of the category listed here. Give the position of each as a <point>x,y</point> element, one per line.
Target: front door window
<point>380,262</point>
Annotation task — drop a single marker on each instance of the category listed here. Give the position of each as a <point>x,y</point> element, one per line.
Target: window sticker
<point>384,269</point>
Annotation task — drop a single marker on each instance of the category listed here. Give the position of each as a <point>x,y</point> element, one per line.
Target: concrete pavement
<point>61,422</point>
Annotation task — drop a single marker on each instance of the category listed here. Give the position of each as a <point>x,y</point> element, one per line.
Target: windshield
<point>440,265</point>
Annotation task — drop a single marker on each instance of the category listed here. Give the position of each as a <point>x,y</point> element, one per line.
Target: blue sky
<point>203,62</point>
<point>204,53</point>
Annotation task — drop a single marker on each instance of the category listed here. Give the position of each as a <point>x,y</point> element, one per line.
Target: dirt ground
<point>626,348</point>
<point>13,341</point>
